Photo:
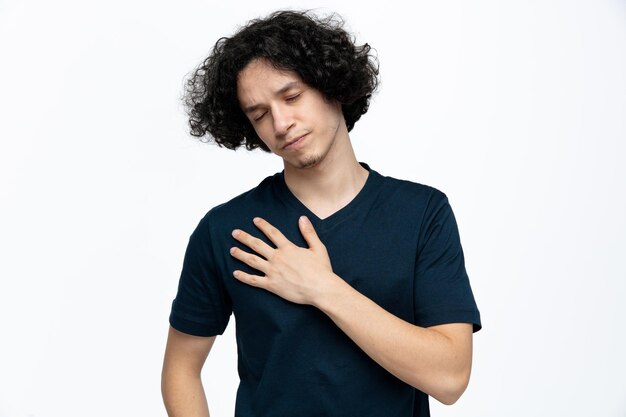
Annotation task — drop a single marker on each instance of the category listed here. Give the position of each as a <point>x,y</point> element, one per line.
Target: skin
<point>181,386</point>
<point>324,174</point>
<point>435,360</point>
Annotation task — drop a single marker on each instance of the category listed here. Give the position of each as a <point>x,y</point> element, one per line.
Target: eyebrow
<point>278,92</point>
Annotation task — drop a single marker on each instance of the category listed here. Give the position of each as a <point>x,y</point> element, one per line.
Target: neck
<point>332,183</point>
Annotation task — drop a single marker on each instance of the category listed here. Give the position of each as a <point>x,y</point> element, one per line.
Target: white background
<point>516,110</point>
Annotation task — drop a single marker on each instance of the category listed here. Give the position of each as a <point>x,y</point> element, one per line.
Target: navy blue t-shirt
<point>396,242</point>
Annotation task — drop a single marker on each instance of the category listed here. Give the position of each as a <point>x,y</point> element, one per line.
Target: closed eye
<point>256,119</point>
<point>292,98</point>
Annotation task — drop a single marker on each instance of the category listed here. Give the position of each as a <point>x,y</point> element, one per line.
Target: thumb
<point>307,230</point>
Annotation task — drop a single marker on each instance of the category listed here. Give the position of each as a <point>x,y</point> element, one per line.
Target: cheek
<point>333,114</point>
<point>264,133</point>
<point>326,116</point>
<point>333,120</point>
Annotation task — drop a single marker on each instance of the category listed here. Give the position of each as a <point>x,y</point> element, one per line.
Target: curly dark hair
<point>318,49</point>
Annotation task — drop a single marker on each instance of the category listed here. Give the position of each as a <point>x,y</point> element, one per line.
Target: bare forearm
<point>421,357</point>
<point>435,360</point>
<point>183,396</point>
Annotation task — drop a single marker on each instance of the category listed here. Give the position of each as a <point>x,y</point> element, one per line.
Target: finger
<point>254,280</point>
<point>250,259</point>
<point>309,233</point>
<point>271,232</point>
<point>253,243</point>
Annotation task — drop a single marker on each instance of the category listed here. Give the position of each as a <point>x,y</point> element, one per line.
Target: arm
<point>436,360</point>
<point>181,386</point>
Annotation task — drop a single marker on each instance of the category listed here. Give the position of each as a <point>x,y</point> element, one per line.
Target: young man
<point>349,287</point>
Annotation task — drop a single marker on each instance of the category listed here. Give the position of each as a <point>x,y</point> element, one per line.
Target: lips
<point>294,141</point>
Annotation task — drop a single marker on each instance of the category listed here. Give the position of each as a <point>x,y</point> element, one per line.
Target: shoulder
<point>423,195</point>
<point>240,205</point>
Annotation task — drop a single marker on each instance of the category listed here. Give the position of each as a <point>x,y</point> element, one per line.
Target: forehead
<point>259,79</point>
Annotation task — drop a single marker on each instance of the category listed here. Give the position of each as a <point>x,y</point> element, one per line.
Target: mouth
<point>294,142</point>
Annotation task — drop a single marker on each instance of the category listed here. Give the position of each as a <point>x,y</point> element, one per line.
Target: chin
<point>306,161</point>
<point>310,161</point>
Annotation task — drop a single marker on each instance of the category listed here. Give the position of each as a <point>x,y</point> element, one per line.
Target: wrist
<point>331,292</point>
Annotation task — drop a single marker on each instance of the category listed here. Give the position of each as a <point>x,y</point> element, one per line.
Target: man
<point>349,287</point>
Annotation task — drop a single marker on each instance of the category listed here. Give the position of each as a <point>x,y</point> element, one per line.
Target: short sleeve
<point>442,289</point>
<point>202,306</point>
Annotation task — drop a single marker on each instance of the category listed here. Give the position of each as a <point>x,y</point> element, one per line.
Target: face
<point>291,118</point>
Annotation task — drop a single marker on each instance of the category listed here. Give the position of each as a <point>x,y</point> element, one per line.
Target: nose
<point>283,120</point>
